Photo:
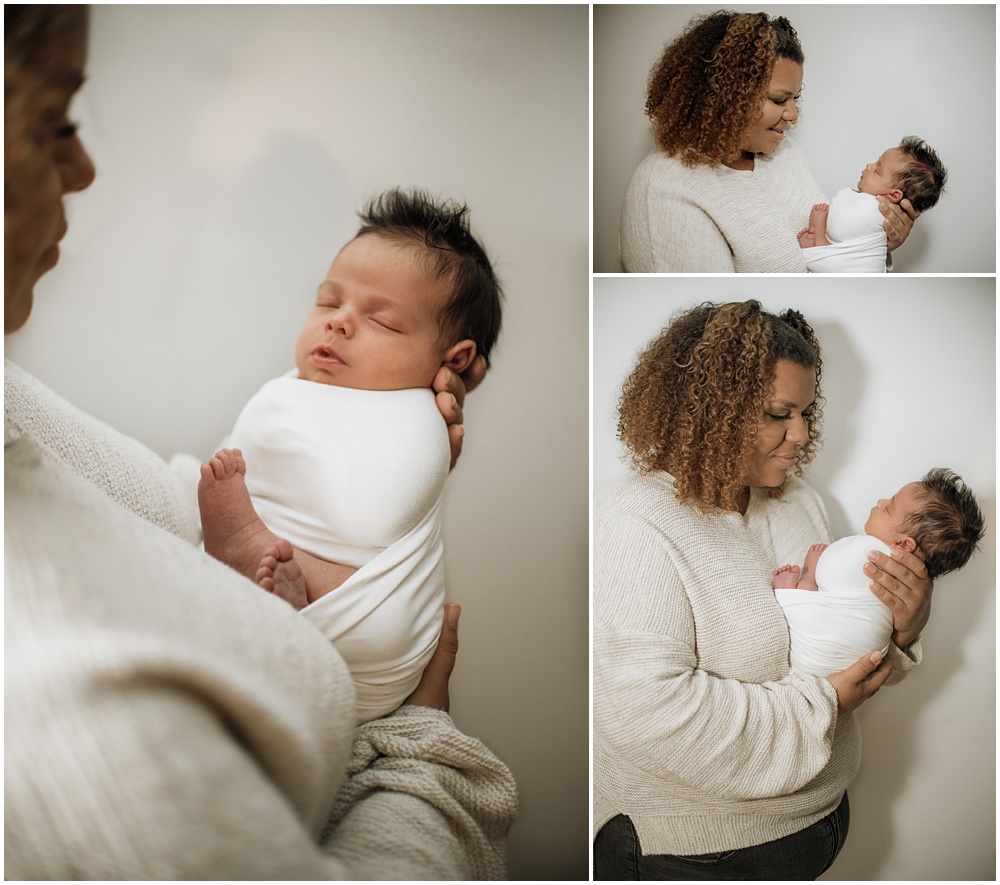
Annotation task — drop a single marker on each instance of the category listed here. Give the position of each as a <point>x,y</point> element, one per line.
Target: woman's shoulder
<point>660,169</point>
<point>635,492</point>
<point>649,499</point>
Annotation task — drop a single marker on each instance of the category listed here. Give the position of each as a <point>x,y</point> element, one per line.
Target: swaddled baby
<point>848,236</point>
<point>339,511</point>
<point>833,617</point>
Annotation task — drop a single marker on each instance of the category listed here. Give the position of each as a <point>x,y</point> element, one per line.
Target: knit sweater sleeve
<point>745,735</point>
<point>161,492</point>
<point>664,229</point>
<point>166,720</point>
<point>417,757</point>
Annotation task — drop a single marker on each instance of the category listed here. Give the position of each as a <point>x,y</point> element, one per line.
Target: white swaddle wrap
<point>355,477</point>
<point>858,240</point>
<point>831,628</point>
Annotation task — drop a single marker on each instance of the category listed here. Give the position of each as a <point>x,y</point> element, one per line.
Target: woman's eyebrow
<point>71,80</point>
<point>788,404</point>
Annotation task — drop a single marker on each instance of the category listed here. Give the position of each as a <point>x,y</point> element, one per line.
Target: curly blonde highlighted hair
<point>707,88</point>
<point>693,403</point>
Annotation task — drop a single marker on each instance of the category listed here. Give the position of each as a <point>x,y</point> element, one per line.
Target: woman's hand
<point>899,218</point>
<point>450,389</point>
<point>432,690</point>
<point>860,681</point>
<point>901,582</point>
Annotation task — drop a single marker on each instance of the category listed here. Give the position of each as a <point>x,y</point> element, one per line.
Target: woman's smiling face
<point>783,426</point>
<point>779,111</point>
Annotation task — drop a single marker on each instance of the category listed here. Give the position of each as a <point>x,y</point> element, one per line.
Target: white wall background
<point>234,145</point>
<point>909,375</point>
<point>872,75</point>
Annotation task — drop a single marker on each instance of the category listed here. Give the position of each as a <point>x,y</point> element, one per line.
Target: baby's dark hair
<point>441,228</point>
<point>950,525</point>
<point>922,181</point>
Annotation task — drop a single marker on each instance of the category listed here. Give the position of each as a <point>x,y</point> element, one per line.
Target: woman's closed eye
<point>70,129</point>
<point>807,414</point>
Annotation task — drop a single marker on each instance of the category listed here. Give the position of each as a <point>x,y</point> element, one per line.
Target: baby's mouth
<point>327,355</point>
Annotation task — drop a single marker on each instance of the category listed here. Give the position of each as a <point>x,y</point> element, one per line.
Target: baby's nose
<point>339,322</point>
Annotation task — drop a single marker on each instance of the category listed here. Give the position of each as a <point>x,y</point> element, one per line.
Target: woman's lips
<point>50,257</point>
<point>786,460</point>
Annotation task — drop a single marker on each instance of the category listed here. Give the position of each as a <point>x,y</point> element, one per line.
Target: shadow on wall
<point>893,724</point>
<point>841,388</point>
<point>608,202</point>
<point>251,302</point>
<point>909,254</point>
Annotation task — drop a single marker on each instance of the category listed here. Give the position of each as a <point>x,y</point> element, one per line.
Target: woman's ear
<point>895,195</point>
<point>459,356</point>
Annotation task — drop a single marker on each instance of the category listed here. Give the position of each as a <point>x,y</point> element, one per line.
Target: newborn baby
<point>839,619</point>
<point>847,236</point>
<point>339,510</point>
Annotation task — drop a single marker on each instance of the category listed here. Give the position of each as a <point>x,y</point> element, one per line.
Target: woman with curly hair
<point>725,189</point>
<point>711,759</point>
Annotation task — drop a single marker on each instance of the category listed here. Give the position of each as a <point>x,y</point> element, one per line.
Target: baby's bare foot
<point>233,532</point>
<point>281,575</point>
<point>807,580</point>
<point>786,577</point>
<point>806,238</point>
<point>817,223</point>
<point>812,556</point>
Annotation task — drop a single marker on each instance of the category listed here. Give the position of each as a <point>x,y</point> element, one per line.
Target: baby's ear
<point>907,543</point>
<point>459,356</point>
<point>895,195</point>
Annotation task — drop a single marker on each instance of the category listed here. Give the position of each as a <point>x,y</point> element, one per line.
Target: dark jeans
<point>803,855</point>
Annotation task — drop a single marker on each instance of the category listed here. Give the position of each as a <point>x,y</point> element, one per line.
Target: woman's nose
<point>790,112</point>
<point>76,169</point>
<point>797,432</point>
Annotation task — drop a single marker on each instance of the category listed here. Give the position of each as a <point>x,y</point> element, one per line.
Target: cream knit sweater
<point>704,219</point>
<point>701,734</point>
<point>166,719</point>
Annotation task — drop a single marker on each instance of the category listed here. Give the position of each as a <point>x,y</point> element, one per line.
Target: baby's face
<point>888,518</point>
<point>878,177</point>
<point>375,323</point>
